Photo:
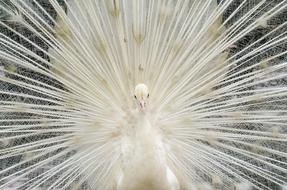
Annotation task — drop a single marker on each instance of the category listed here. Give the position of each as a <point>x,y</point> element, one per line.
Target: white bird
<point>144,165</point>
<point>142,94</point>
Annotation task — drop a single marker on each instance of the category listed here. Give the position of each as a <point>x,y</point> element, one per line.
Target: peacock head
<point>141,95</point>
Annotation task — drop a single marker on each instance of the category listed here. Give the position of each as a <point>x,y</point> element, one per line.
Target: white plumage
<point>142,95</point>
<point>144,165</point>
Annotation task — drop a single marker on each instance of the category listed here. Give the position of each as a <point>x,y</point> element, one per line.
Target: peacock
<point>143,94</point>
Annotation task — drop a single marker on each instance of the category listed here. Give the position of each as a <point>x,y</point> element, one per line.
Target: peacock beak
<point>142,104</point>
